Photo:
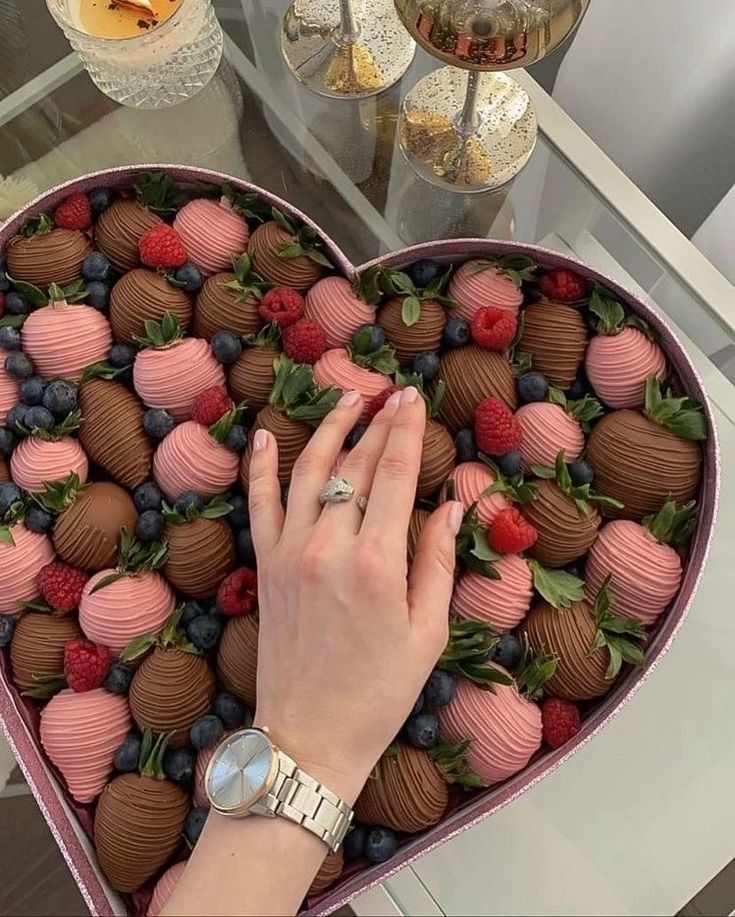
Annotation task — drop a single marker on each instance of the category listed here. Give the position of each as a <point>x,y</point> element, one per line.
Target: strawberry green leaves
<point>220,430</point>
<point>305,241</point>
<point>296,394</point>
<point>672,524</point>
<point>472,548</point>
<point>619,635</point>
<point>558,587</point>
<point>581,494</point>
<point>163,333</point>
<point>376,282</point>
<point>134,557</point>
<point>215,509</point>
<point>519,268</point>
<point>382,359</point>
<point>247,284</point>
<point>534,671</point>
<point>452,762</point>
<point>682,416</point>
<point>466,654</point>
<point>59,495</point>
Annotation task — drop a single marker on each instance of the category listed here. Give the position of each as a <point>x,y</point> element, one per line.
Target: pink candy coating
<point>36,460</point>
<point>332,304</point>
<point>336,368</point>
<point>548,430</point>
<point>473,289</point>
<point>124,609</point>
<point>618,366</point>
<point>172,377</point>
<point>62,339</point>
<point>190,459</point>
<point>19,566</point>
<point>502,603</point>
<point>470,480</point>
<point>9,392</point>
<point>164,887</point>
<point>646,574</point>
<point>212,233</point>
<point>81,733</point>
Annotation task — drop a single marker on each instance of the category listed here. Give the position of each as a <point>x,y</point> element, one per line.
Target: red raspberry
<point>496,429</point>
<point>510,533</point>
<point>238,593</point>
<point>560,720</point>
<point>161,246</point>
<point>61,586</point>
<point>85,664</point>
<point>74,213</point>
<point>563,286</point>
<point>281,305</point>
<point>305,341</point>
<point>377,402</point>
<point>493,329</point>
<point>211,404</point>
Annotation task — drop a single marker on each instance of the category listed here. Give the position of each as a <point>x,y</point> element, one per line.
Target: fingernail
<point>394,399</point>
<point>260,440</point>
<point>349,399</point>
<point>410,395</point>
<point>455,517</point>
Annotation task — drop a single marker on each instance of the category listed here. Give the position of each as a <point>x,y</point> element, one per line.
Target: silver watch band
<point>302,799</point>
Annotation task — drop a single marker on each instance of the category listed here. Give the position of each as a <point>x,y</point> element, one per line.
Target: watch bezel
<point>245,806</point>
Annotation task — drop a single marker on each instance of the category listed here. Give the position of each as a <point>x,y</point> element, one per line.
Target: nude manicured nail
<point>349,399</point>
<point>260,440</point>
<point>410,395</point>
<point>394,399</point>
<point>455,517</point>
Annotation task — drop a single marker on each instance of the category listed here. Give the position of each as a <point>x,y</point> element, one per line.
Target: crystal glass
<point>475,131</point>
<point>160,67</point>
<point>346,49</point>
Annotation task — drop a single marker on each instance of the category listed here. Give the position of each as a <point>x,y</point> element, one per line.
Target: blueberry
<point>179,764</point>
<point>507,651</point>
<point>150,526</point>
<point>581,472</point>
<point>457,332</point>
<point>9,338</point>
<point>245,548</point>
<point>147,496</point>
<point>509,464</point>
<point>355,435</point>
<point>194,824</point>
<point>158,423</point>
<point>419,705</point>
<point>577,568</point>
<point>204,632</point>
<point>206,731</point>
<point>439,690</point>
<point>127,755</point>
<point>192,609</point>
<point>226,346</point>
<point>38,520</point>
<point>188,275</point>
<point>189,499</point>
<point>7,441</point>
<point>579,388</point>
<point>39,418</point>
<point>18,365</point>
<point>97,267</point>
<point>532,386</point>
<point>354,843</point>
<point>122,355</point>
<point>118,678</point>
<point>99,199</point>
<point>237,438</point>
<point>4,282</point>
<point>422,730</point>
<point>230,710</point>
<point>466,445</point>
<point>60,398</point>
<point>9,494</point>
<point>16,419</point>
<point>424,271</point>
<point>15,304</point>
<point>380,845</point>
<point>426,364</point>
<point>31,390</point>
<point>7,626</point>
<point>368,338</point>
<point>239,515</point>
<point>98,295</point>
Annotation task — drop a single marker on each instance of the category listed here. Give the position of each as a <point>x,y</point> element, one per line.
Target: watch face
<point>241,771</point>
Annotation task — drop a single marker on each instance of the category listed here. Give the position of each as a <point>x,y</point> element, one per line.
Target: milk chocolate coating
<point>410,340</point>
<point>237,658</point>
<point>568,633</point>
<point>563,533</point>
<point>4,471</point>
<point>112,431</point>
<point>299,273</point>
<point>37,647</point>
<point>437,459</point>
<point>54,257</point>
<point>119,229</point>
<point>556,336</point>
<point>251,378</point>
<point>170,690</point>
<point>409,793</point>
<point>291,435</point>
<point>220,308</point>
<point>86,535</point>
<point>200,555</point>
<point>472,374</point>
<point>419,518</point>
<point>142,295</point>
<point>137,827</point>
<point>642,464</point>
<point>329,872</point>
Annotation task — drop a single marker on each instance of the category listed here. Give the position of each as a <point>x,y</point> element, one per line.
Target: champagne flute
<point>346,49</point>
<point>476,131</point>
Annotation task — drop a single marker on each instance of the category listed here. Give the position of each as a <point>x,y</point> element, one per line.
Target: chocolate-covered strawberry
<point>555,336</point>
<point>142,295</point>
<point>42,255</point>
<point>229,300</point>
<point>125,221</point>
<point>37,647</point>
<point>237,657</point>
<point>472,374</point>
<point>201,546</point>
<point>438,451</point>
<point>287,253</point>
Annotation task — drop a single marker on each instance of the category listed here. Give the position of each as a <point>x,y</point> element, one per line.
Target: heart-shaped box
<point>71,823</point>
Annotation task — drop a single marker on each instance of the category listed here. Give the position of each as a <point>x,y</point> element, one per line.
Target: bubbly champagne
<point>490,34</point>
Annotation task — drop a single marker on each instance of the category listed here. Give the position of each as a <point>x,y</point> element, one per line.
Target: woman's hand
<point>346,639</point>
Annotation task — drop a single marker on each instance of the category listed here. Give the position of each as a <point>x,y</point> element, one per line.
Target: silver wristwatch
<point>248,775</point>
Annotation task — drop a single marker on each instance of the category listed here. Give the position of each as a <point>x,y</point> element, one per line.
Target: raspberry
<point>238,593</point>
<point>61,586</point>
<point>305,341</point>
<point>510,533</point>
<point>560,720</point>
<point>74,213</point>
<point>85,664</point>
<point>211,404</point>
<point>493,329</point>
<point>161,246</point>
<point>377,402</point>
<point>496,429</point>
<point>563,286</point>
<point>282,305</point>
